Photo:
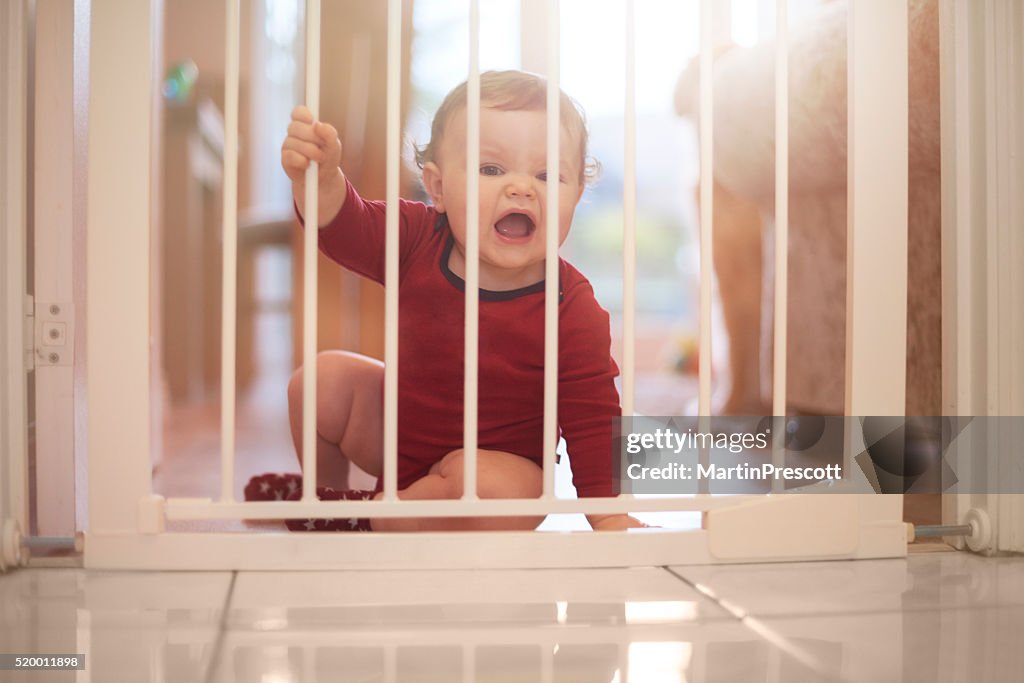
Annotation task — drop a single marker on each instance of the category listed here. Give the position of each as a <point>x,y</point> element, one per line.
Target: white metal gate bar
<point>118,258</point>
<point>876,256</point>
<point>201,508</point>
<point>960,397</point>
<point>707,180</point>
<point>781,299</point>
<point>394,152</point>
<point>391,664</point>
<point>472,337</point>
<point>629,221</point>
<point>551,275</point>
<point>547,664</point>
<point>468,663</point>
<point>706,121</point>
<point>229,245</point>
<point>309,263</point>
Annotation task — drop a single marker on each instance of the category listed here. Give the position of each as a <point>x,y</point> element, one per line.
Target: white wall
<point>13,470</point>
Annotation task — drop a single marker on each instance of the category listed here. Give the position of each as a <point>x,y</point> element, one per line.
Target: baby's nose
<point>520,186</point>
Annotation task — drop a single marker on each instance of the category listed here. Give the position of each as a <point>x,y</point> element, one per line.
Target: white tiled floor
<point>939,616</point>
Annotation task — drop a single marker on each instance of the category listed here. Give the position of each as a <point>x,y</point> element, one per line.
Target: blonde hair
<point>511,91</point>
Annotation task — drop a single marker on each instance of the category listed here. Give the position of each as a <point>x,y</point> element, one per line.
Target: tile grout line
<point>757,626</point>
<point>705,594</point>
<point>218,644</point>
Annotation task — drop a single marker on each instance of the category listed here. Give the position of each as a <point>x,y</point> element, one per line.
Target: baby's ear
<point>433,185</point>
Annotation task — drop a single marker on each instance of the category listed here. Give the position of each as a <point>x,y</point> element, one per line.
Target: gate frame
<point>126,519</point>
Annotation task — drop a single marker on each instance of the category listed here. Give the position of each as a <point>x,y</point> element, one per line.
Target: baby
<point>432,254</point>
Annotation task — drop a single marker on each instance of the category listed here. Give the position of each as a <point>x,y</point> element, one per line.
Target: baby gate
<point>127,519</point>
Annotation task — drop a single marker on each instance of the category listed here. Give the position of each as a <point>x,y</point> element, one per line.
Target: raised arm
<point>310,140</point>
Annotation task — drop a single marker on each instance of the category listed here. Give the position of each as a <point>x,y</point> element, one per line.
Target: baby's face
<point>513,193</point>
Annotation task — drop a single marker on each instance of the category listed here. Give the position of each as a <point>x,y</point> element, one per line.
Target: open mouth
<point>515,226</point>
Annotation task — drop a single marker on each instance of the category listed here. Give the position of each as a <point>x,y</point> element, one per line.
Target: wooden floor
<point>190,464</point>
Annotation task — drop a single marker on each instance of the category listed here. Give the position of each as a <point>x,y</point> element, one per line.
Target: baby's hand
<point>310,141</point>
<point>614,522</point>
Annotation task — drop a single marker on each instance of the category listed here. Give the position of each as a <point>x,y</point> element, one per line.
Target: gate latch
<point>54,334</point>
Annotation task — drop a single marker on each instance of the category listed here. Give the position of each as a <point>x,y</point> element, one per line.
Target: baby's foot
<point>338,524</point>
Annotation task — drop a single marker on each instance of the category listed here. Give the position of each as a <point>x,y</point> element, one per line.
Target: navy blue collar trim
<point>485,294</point>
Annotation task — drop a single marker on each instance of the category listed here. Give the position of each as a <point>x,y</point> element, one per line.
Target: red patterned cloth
<point>288,486</point>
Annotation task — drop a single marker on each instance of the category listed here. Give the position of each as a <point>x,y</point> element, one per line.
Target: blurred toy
<point>685,354</point>
<point>180,81</point>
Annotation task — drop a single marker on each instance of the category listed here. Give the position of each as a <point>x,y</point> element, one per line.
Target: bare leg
<point>350,429</point>
<point>737,257</point>
<point>349,423</point>
<point>499,475</point>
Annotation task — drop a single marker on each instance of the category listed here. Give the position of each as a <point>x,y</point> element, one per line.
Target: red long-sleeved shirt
<point>431,325</point>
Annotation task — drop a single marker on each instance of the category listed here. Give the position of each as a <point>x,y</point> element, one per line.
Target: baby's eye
<point>543,177</point>
<point>490,169</point>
